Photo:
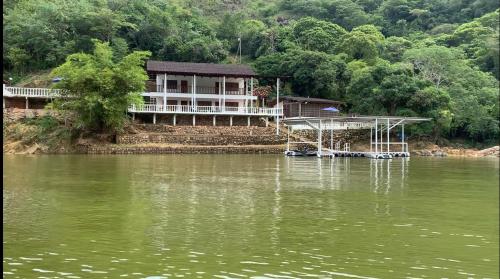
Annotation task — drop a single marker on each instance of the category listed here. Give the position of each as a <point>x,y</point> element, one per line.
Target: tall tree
<point>100,90</point>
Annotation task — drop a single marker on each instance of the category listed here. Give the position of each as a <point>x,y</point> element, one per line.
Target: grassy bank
<point>46,134</point>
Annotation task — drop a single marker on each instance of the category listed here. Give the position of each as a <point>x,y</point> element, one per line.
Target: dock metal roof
<point>349,122</point>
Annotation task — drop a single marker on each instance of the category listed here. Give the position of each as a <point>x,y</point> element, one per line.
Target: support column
<point>278,103</point>
<point>3,102</point>
<point>251,91</point>
<point>194,120</point>
<point>194,92</point>
<point>133,116</point>
<point>231,120</point>
<point>27,103</point>
<point>267,121</point>
<point>165,93</point>
<point>245,82</point>
<point>220,89</point>
<point>213,119</point>
<point>248,124</point>
<point>174,119</point>
<point>224,93</point>
<point>154,118</point>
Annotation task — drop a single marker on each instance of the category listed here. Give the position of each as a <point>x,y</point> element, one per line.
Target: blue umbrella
<point>331,109</point>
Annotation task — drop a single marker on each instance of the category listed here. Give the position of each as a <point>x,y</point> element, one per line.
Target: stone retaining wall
<point>117,149</point>
<point>203,130</point>
<point>14,114</point>
<point>206,139</point>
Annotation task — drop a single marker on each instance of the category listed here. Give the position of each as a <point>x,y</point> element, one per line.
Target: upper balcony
<point>199,90</point>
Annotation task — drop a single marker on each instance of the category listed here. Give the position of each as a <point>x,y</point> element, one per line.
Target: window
<point>171,84</point>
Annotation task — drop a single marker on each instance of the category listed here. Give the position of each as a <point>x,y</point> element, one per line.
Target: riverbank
<point>39,134</point>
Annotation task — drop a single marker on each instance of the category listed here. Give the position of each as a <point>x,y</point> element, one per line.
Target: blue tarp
<point>331,109</point>
<point>57,79</point>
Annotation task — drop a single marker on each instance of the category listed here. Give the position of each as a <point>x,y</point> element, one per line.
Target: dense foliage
<point>99,90</point>
<point>437,58</point>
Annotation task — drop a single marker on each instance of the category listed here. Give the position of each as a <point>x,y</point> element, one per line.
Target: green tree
<point>318,35</point>
<point>99,90</point>
<point>394,48</point>
<point>313,74</point>
<point>363,42</point>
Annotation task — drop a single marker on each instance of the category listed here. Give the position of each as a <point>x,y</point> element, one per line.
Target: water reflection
<point>337,174</point>
<point>249,215</point>
<point>382,171</point>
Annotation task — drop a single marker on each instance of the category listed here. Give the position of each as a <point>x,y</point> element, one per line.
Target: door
<point>184,86</point>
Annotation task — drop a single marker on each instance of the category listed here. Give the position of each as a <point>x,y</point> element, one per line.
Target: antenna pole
<point>239,46</point>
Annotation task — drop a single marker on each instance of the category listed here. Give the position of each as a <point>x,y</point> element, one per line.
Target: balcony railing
<point>200,90</point>
<point>30,92</point>
<point>205,110</point>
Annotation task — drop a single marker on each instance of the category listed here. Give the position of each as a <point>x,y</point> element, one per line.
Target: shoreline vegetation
<point>48,134</point>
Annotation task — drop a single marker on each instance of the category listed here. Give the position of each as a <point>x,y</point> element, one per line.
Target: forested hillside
<point>432,58</point>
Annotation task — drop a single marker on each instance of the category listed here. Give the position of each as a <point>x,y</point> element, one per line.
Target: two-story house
<point>201,93</point>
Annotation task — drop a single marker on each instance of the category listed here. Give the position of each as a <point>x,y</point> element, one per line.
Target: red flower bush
<point>262,91</point>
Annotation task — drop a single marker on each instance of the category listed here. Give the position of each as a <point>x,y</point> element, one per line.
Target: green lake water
<point>244,216</point>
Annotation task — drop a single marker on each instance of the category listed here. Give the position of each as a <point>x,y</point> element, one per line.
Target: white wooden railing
<point>205,110</point>
<point>30,92</point>
<point>200,90</point>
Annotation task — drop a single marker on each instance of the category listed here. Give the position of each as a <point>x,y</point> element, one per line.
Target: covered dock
<point>380,128</point>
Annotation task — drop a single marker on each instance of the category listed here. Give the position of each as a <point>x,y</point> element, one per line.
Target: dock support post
<point>248,121</point>
<point>154,118</point>
<point>213,119</point>
<point>331,133</point>
<point>288,139</point>
<point>320,132</point>
<point>388,139</point>
<point>194,120</point>
<point>381,138</point>
<point>371,139</point>
<point>231,120</point>
<point>174,120</point>
<point>403,138</point>
<point>376,137</point>
<point>278,106</point>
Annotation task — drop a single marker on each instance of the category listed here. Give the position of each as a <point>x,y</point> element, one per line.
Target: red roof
<point>201,69</point>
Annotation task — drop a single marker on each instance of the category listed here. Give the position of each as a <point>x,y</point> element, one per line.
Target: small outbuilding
<point>307,107</point>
